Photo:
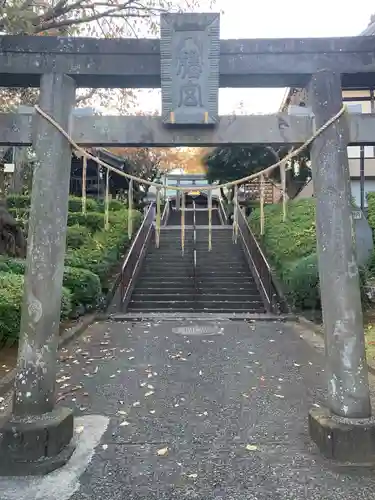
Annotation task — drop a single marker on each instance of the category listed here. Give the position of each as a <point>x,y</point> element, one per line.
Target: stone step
<point>192,307</point>
<point>237,304</point>
<point>144,295</point>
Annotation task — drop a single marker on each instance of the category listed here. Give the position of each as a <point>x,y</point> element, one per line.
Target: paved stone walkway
<point>208,413</point>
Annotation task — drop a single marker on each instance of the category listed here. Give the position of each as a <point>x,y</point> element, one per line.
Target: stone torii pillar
<point>36,437</point>
<point>344,430</point>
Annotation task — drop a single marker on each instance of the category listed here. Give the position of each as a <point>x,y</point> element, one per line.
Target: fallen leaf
<point>162,452</point>
<point>251,447</point>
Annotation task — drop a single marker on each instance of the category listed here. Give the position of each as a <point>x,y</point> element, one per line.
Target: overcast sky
<point>276,19</point>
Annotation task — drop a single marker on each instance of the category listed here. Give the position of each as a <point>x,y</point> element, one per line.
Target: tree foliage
<point>226,164</point>
<point>90,18</point>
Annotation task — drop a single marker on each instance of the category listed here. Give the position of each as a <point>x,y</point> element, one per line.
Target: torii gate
<point>189,63</point>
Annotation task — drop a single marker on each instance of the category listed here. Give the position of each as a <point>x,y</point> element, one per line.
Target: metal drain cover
<point>196,330</point>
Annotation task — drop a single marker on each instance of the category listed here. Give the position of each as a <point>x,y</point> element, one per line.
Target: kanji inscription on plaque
<point>190,54</point>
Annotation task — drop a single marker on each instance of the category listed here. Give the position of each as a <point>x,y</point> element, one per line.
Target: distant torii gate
<point>189,63</point>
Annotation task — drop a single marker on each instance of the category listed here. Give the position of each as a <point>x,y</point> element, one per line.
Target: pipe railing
<point>165,214</point>
<point>267,283</point>
<point>223,213</point>
<point>135,255</point>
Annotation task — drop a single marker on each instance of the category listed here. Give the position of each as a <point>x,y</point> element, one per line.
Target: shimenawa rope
<point>281,163</point>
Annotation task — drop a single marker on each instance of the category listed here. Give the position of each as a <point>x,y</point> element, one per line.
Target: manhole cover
<point>198,330</point>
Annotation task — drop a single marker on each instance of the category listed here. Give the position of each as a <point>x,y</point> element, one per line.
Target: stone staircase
<point>166,282</point>
<point>223,279</point>
<point>220,280</point>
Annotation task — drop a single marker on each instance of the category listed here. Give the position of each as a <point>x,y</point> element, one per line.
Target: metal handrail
<point>195,255</point>
<point>165,214</point>
<point>135,254</point>
<point>267,283</point>
<point>223,212</point>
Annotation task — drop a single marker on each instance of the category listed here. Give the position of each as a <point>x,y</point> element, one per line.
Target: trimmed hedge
<point>371,212</point>
<point>83,285</point>
<point>286,242</point>
<point>77,236</point>
<point>102,252</point>
<point>94,221</point>
<point>90,258</point>
<point>11,293</point>
<point>291,249</point>
<point>75,204</point>
<point>113,206</point>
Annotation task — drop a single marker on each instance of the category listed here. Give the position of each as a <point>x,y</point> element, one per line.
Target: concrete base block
<point>36,445</point>
<point>343,439</point>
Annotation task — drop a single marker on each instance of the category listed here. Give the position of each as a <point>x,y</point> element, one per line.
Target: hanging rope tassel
<point>84,177</point>
<point>262,205</point>
<point>209,200</point>
<point>158,218</point>
<point>130,209</point>
<point>182,222</point>
<point>235,214</point>
<point>283,187</point>
<point>106,201</point>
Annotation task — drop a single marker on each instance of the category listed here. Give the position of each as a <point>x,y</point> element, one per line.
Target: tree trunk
<point>12,239</point>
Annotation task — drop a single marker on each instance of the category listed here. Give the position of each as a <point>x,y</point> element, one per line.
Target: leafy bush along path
<point>291,249</point>
<point>92,253</point>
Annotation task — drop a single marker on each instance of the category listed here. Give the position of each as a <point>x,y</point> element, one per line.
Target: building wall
<point>357,101</point>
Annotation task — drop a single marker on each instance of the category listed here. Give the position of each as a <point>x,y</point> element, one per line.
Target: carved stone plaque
<point>190,55</point>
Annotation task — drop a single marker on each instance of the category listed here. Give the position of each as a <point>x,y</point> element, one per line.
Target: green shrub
<point>14,266</point>
<point>301,281</point>
<point>102,252</point>
<point>290,247</point>
<point>92,220</point>
<point>77,236</point>
<point>18,201</point>
<point>286,242</point>
<point>20,214</point>
<point>114,206</point>
<point>11,293</point>
<point>84,286</point>
<point>371,211</point>
<point>75,204</point>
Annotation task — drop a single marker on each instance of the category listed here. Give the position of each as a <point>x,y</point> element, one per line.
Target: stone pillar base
<point>36,445</point>
<point>343,439</point>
